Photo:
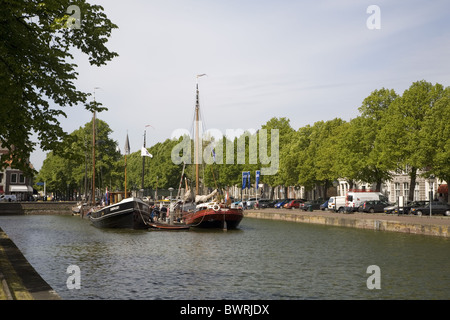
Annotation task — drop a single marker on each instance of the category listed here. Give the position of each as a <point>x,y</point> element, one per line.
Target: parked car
<point>324,206</point>
<point>390,209</point>
<point>236,204</point>
<point>297,203</point>
<point>372,206</point>
<point>259,202</point>
<point>281,203</point>
<point>414,204</point>
<point>8,198</point>
<point>266,203</point>
<point>251,203</point>
<point>437,207</point>
<point>312,205</point>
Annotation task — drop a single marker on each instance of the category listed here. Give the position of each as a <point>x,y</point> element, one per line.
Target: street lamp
<point>430,180</point>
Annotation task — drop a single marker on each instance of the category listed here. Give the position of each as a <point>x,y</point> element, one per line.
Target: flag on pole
<point>258,172</point>
<point>244,179</point>
<point>127,145</point>
<point>248,174</point>
<point>145,153</point>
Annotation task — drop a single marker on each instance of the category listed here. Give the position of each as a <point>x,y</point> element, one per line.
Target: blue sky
<point>304,60</point>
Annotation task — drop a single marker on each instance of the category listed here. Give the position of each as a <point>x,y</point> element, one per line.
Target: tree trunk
<point>325,190</point>
<point>378,186</point>
<point>412,186</point>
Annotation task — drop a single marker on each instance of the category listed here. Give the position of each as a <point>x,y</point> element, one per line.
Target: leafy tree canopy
<point>37,74</point>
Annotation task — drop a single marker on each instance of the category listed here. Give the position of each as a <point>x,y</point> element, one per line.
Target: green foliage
<point>399,141</point>
<point>435,137</point>
<point>37,77</point>
<point>71,167</point>
<point>391,132</point>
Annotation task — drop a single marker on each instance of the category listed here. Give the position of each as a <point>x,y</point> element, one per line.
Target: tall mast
<point>93,151</point>
<point>197,139</point>
<point>143,168</point>
<point>127,151</point>
<point>197,107</point>
<point>93,157</point>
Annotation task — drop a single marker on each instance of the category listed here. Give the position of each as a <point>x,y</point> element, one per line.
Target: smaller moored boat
<point>167,226</point>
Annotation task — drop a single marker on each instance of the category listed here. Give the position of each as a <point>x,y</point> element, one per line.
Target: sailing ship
<point>206,213</point>
<point>129,213</point>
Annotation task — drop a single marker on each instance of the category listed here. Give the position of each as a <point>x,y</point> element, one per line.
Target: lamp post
<point>430,180</point>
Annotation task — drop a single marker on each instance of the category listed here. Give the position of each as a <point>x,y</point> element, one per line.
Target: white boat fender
<point>216,207</point>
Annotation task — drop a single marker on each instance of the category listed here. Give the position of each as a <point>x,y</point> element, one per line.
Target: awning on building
<point>20,189</point>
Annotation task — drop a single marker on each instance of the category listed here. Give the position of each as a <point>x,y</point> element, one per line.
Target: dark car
<point>373,206</point>
<point>437,207</point>
<point>297,203</point>
<point>312,205</point>
<point>324,206</point>
<point>265,203</point>
<point>261,203</point>
<point>407,208</point>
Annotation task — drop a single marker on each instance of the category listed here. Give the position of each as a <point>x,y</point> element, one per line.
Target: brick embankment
<point>424,225</point>
<point>18,279</point>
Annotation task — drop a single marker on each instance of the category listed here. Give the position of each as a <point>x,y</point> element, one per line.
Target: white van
<point>355,198</point>
<point>337,203</point>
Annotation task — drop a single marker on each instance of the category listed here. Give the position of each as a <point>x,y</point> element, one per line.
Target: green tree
<point>317,160</point>
<point>435,141</point>
<point>358,159</point>
<point>399,141</point>
<point>71,167</point>
<point>286,133</point>
<point>37,76</point>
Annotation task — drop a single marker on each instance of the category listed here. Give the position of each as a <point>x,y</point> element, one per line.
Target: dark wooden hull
<point>130,213</point>
<point>210,218</point>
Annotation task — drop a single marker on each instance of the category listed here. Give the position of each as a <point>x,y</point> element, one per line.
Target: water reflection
<point>261,260</point>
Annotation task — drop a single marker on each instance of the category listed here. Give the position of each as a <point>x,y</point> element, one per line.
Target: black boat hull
<point>128,214</point>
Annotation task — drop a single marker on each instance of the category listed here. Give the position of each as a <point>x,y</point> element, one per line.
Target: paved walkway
<point>18,279</point>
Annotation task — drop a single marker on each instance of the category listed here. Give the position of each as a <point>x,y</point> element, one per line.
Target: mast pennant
<point>145,153</point>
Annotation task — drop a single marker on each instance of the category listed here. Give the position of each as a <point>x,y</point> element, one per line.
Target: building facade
<point>15,182</point>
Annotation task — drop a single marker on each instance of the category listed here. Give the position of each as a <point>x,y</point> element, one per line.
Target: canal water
<point>263,259</point>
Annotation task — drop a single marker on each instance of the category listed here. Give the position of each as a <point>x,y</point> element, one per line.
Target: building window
<point>397,190</point>
<point>21,178</point>
<point>406,189</point>
<point>13,177</point>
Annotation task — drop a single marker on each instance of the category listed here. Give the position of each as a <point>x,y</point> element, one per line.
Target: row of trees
<point>391,132</point>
